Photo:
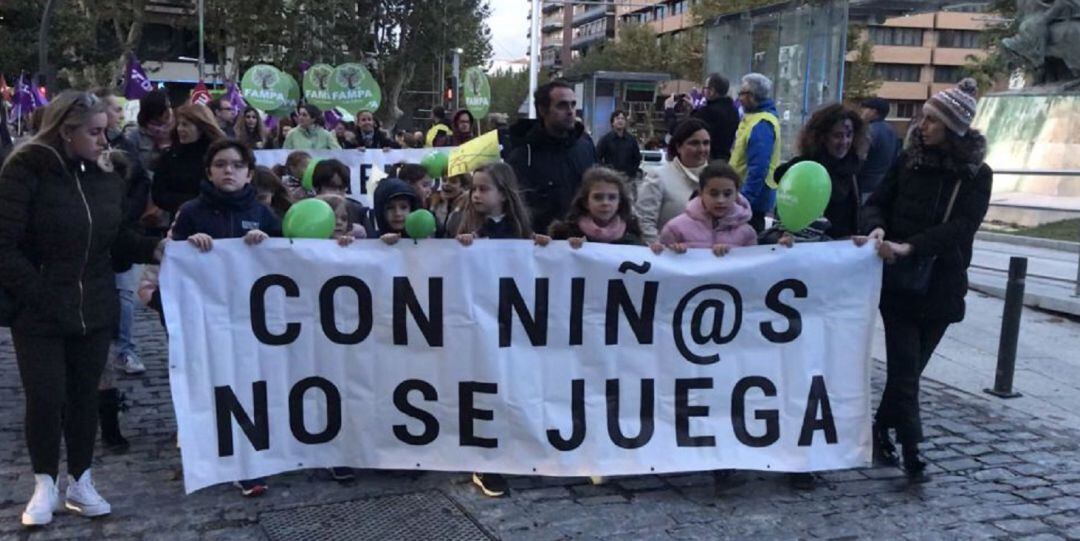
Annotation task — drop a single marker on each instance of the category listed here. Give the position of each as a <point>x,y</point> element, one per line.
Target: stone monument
<point>1037,127</point>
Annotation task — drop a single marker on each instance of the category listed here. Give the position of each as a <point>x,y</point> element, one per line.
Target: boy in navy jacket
<point>227,206</point>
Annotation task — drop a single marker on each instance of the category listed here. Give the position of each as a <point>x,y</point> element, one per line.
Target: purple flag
<point>136,84</point>
<point>38,92</point>
<point>331,117</point>
<point>24,100</point>
<point>232,93</point>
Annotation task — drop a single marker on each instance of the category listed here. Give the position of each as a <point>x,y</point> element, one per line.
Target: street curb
<point>1031,242</point>
<point>1068,305</point>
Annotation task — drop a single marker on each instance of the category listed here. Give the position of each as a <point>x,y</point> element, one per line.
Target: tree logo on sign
<point>321,76</point>
<point>349,77</point>
<point>266,77</point>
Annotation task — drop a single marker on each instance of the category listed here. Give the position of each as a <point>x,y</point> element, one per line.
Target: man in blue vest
<point>756,153</point>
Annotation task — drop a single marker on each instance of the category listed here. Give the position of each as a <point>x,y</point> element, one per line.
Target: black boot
<point>914,467</point>
<point>110,403</point>
<point>884,450</point>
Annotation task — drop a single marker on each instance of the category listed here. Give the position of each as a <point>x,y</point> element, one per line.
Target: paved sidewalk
<point>998,473</point>
<point>1051,280</point>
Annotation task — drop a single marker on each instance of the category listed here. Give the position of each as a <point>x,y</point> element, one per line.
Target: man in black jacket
<point>885,146</point>
<point>619,149</point>
<point>550,154</point>
<point>719,114</point>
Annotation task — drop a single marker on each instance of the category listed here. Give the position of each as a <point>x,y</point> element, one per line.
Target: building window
<point>887,35</point>
<point>661,12</point>
<point>898,72</point>
<point>959,39</point>
<point>906,109</point>
<point>678,7</point>
<point>948,74</point>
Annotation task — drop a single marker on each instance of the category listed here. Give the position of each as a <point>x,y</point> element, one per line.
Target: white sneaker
<point>45,500</point>
<point>130,364</point>
<point>83,499</point>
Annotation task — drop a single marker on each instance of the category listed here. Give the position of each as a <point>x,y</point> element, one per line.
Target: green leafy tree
<point>638,48</point>
<point>509,89</point>
<point>707,9</point>
<point>86,40</point>
<point>860,77</point>
<point>996,64</point>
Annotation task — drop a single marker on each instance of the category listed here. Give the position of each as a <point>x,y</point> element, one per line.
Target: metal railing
<point>1072,174</point>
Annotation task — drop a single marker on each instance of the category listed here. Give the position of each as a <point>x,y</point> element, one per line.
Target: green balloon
<point>436,164</point>
<point>803,195</point>
<point>420,224</point>
<point>307,180</point>
<point>309,219</point>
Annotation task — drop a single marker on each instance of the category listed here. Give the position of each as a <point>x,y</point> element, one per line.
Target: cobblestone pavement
<point>997,474</point>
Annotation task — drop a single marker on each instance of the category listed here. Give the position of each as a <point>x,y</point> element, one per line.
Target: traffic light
<point>451,87</point>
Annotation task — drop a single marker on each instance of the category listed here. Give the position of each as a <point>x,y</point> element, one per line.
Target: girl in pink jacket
<point>718,218</point>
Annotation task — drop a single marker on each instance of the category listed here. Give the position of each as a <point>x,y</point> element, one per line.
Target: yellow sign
<point>468,157</point>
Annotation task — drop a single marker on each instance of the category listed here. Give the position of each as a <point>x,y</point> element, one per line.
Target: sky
<point>509,27</point>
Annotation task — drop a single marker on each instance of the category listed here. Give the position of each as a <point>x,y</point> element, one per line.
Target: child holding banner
<point>717,218</point>
<point>497,211</point>
<point>600,212</point>
<point>394,200</point>
<point>227,208</point>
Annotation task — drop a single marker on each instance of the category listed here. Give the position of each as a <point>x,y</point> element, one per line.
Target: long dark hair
<point>597,175</point>
<point>812,137</point>
<point>683,131</point>
<point>246,136</point>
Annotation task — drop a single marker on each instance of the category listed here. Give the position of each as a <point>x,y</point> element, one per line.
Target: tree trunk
<point>51,6</point>
<point>397,86</point>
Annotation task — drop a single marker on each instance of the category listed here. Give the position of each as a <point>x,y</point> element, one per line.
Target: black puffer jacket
<point>61,229</point>
<point>844,202</point>
<point>910,206</point>
<point>178,175</point>
<point>549,170</point>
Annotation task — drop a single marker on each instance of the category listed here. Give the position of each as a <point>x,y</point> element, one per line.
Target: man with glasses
<point>225,114</point>
<point>756,153</point>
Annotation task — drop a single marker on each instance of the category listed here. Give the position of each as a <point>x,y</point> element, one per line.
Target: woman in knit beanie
<point>923,218</point>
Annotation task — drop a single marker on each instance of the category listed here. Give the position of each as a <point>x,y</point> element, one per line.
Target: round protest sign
<point>292,97</point>
<point>265,87</point>
<point>354,89</point>
<point>477,92</point>
<point>317,86</point>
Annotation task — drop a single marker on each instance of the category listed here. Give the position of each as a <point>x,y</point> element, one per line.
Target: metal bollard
<point>1010,329</point>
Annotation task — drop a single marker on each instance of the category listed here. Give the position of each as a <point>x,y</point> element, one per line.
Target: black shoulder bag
<point>911,275</point>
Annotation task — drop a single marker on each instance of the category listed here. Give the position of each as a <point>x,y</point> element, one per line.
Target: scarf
<point>690,172</point>
<point>609,233</point>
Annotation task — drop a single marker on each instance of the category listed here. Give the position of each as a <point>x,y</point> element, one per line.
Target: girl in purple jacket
<point>717,218</point>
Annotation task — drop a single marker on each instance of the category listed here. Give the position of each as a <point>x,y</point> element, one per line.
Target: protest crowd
<point>89,205</point>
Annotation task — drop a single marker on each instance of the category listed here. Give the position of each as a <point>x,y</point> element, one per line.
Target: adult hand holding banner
<point>512,358</point>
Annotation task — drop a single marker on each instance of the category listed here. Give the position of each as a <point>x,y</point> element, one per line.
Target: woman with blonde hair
<point>61,229</point>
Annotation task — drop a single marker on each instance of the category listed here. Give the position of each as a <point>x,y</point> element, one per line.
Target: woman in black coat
<point>925,214</point>
<point>835,136</point>
<point>180,171</point>
<point>61,231</point>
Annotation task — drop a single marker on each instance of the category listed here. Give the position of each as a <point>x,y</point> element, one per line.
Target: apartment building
<point>569,30</point>
<point>918,55</point>
<point>665,16</point>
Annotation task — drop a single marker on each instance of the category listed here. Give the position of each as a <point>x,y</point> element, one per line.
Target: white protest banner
<point>513,358</point>
<point>360,162</point>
